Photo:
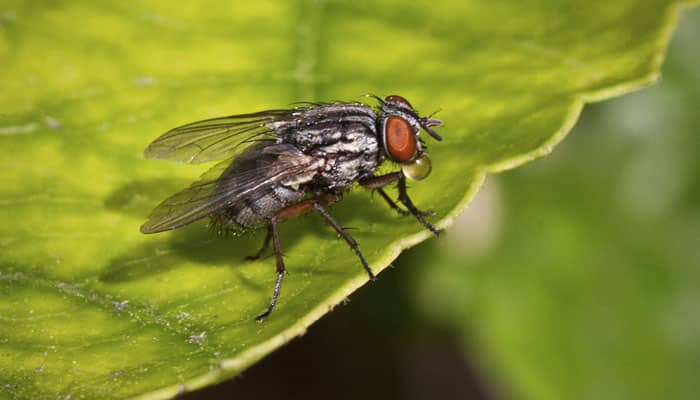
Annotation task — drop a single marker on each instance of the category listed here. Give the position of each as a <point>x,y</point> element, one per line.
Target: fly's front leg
<point>392,203</point>
<point>406,201</point>
<point>378,182</point>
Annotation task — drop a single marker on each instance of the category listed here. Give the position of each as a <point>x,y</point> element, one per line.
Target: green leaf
<point>92,308</point>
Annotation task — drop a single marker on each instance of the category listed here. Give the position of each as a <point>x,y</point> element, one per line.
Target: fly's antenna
<point>433,113</point>
<point>428,122</point>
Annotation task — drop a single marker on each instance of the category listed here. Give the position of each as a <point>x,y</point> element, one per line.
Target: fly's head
<point>400,126</point>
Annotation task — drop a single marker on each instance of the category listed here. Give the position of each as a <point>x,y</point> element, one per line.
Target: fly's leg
<point>286,213</point>
<point>392,203</point>
<point>280,268</point>
<point>406,201</point>
<point>398,208</point>
<point>265,246</point>
<point>378,182</point>
<point>351,242</point>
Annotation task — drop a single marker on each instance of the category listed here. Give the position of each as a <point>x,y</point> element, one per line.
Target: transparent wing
<point>229,182</point>
<point>216,138</point>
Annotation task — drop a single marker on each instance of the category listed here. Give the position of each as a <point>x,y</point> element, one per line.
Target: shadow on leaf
<point>141,196</point>
<point>199,244</point>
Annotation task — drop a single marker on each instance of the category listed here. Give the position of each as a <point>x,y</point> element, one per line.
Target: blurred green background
<point>575,276</point>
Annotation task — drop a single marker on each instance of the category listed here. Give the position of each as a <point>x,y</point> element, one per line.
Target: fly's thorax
<point>354,157</point>
<point>342,137</point>
<point>324,124</point>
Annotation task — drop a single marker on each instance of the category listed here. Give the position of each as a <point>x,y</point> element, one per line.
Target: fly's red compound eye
<point>399,139</point>
<point>398,99</point>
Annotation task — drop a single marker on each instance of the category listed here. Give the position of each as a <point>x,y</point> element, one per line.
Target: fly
<point>280,164</point>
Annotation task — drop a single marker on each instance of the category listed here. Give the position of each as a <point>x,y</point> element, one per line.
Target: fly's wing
<point>216,138</point>
<point>229,182</point>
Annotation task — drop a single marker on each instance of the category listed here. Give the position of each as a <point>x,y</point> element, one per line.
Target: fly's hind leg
<point>273,232</point>
<point>265,246</point>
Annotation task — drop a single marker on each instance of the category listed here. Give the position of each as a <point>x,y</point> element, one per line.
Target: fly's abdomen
<point>256,210</point>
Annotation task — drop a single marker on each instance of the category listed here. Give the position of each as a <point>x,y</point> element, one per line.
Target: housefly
<point>280,164</point>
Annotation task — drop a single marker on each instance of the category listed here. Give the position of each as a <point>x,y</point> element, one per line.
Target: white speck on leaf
<point>197,338</point>
<point>119,306</point>
<point>145,81</point>
<point>52,123</point>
